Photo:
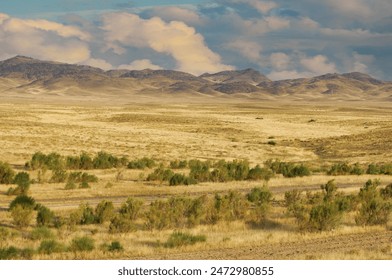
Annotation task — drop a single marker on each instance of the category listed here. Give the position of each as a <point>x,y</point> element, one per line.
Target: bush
<point>41,233</point>
<point>180,179</point>
<point>59,175</point>
<point>160,174</point>
<point>261,199</point>
<point>87,216</point>
<point>45,216</point>
<point>120,224</point>
<point>179,239</point>
<point>104,160</point>
<point>115,246</point>
<point>50,246</point>
<point>199,171</point>
<point>131,208</point>
<point>386,192</point>
<point>22,180</point>
<point>374,209</point>
<point>178,164</point>
<point>23,200</point>
<point>324,216</point>
<point>287,169</point>
<point>82,244</point>
<point>6,173</point>
<point>82,178</point>
<point>51,161</point>
<point>341,168</point>
<point>22,216</point>
<point>258,173</point>
<point>12,253</point>
<point>141,163</point>
<point>104,211</point>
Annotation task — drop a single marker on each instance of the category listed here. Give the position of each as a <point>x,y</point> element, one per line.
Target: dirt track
<point>344,244</point>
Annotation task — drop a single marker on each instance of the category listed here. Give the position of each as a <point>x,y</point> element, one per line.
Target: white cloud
<point>248,49</point>
<point>262,6</point>
<point>276,23</point>
<point>279,61</point>
<point>43,39</point>
<point>175,38</point>
<point>140,64</point>
<point>318,64</point>
<point>170,13</point>
<point>99,63</point>
<point>288,74</point>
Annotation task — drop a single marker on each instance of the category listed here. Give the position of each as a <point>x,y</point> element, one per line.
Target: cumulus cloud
<point>248,49</point>
<point>43,39</point>
<point>288,74</point>
<point>140,64</point>
<point>175,38</point>
<point>262,6</point>
<point>279,61</point>
<point>170,13</point>
<point>318,64</point>
<point>99,63</point>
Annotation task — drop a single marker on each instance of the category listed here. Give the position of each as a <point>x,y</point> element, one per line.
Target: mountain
<point>250,76</point>
<point>25,75</point>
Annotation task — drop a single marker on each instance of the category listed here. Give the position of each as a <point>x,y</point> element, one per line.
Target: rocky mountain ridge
<point>36,76</point>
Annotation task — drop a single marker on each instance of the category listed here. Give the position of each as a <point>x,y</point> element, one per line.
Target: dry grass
<point>195,131</point>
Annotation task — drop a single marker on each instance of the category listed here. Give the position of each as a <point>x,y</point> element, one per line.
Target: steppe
<point>316,133</point>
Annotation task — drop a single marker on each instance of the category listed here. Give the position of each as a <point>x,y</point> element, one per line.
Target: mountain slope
<point>27,75</point>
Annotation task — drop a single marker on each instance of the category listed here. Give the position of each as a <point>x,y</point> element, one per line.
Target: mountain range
<point>25,75</point>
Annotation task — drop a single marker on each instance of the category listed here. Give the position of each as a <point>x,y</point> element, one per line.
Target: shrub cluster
<point>288,169</point>
<point>141,163</point>
<point>6,173</point>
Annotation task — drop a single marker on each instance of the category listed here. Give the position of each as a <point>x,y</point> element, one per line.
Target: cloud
<point>140,64</point>
<point>262,7</point>
<point>170,13</point>
<point>279,61</point>
<point>43,39</point>
<point>99,63</point>
<point>248,49</point>
<point>288,74</point>
<point>175,39</point>
<point>318,64</point>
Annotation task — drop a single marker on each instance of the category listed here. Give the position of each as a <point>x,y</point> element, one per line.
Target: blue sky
<point>281,38</point>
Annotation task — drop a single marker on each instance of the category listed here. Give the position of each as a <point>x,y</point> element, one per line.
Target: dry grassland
<point>317,135</point>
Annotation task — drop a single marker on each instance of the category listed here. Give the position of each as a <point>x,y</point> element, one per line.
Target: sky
<point>282,39</point>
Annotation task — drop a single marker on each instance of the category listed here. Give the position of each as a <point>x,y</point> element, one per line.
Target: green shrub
<point>22,180</point>
<point>131,208</point>
<point>51,161</point>
<point>23,200</point>
<point>50,246</point>
<point>84,243</point>
<point>386,192</point>
<point>40,233</point>
<point>342,168</point>
<point>287,169</point>
<point>199,171</point>
<point>59,175</point>
<point>374,210</point>
<point>22,216</point>
<point>180,179</point>
<point>179,239</point>
<point>104,211</point>
<point>141,163</point>
<point>258,173</point>
<point>115,246</point>
<point>178,164</point>
<point>12,253</point>
<point>160,174</point>
<point>6,173</point>
<point>120,224</point>
<point>324,216</point>
<point>261,199</point>
<point>45,216</point>
<point>87,216</point>
<point>105,160</point>
<point>271,142</point>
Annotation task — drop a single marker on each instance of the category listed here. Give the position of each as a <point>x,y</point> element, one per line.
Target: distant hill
<point>22,74</point>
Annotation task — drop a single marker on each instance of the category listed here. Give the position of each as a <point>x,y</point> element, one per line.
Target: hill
<point>25,75</point>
